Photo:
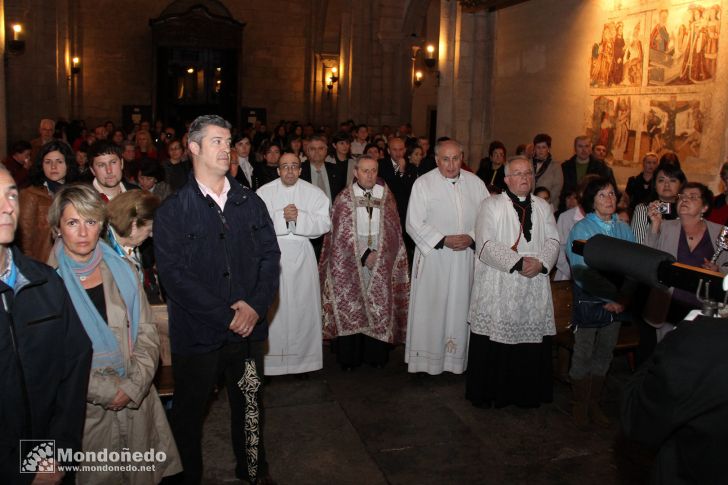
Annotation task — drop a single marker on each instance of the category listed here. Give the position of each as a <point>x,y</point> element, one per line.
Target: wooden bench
<point>163,380</point>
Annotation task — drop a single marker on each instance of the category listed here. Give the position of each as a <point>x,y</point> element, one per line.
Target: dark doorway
<point>197,62</point>
<point>192,82</point>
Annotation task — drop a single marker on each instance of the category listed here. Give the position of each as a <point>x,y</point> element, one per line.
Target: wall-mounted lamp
<point>430,60</point>
<point>190,70</point>
<point>16,44</point>
<point>334,75</point>
<point>418,78</point>
<point>330,84</point>
<point>75,65</point>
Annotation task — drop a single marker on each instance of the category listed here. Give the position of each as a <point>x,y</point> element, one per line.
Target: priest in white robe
<point>300,212</point>
<point>441,221</point>
<point>511,311</point>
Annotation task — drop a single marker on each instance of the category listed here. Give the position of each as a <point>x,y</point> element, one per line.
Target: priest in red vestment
<point>364,273</point>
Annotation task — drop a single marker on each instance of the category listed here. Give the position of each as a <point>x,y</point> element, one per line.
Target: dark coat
<point>55,355</point>
<point>595,166</point>
<point>639,191</point>
<point>678,402</point>
<point>207,262</point>
<point>262,174</point>
<point>399,183</point>
<point>176,175</point>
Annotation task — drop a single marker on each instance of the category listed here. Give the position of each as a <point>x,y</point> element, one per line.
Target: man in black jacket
<point>325,174</point>
<point>582,163</point>
<point>45,357</point>
<point>218,258</point>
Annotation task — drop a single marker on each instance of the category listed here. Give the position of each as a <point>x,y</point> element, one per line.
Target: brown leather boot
<point>597,386</point>
<point>580,411</point>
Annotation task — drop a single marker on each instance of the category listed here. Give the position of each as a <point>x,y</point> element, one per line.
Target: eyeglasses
<point>289,168</point>
<point>607,195</point>
<point>521,174</point>
<point>692,197</point>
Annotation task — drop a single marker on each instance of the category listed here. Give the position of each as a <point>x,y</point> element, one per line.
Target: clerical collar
<point>365,190</point>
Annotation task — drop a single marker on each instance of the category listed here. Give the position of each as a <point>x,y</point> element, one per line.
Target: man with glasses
<point>441,221</point>
<point>511,312</point>
<point>300,212</point>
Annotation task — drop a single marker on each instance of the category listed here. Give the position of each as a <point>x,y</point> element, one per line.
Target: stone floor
<point>385,426</point>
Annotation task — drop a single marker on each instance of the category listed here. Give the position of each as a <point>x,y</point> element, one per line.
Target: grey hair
<point>84,198</point>
<point>440,143</point>
<point>365,157</point>
<point>507,165</point>
<point>198,126</point>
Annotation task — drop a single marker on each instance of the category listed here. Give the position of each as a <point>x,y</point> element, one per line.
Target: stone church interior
<point>491,248</point>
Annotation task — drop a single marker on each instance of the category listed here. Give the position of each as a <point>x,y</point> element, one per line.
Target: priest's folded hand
<point>290,213</point>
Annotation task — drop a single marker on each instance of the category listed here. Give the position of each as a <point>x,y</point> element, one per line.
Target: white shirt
<point>247,168</point>
<point>98,188</point>
<point>221,199</point>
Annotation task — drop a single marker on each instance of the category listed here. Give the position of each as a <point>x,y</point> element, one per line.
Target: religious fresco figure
<point>616,72</point>
<point>660,37</point>
<point>633,58</point>
<point>602,63</point>
<point>712,22</point>
<point>671,109</point>
<point>621,129</point>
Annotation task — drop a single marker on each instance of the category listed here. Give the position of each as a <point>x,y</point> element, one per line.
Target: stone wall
<point>283,41</point>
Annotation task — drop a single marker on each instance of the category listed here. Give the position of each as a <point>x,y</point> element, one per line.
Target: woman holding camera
<point>668,180</point>
<point>691,239</point>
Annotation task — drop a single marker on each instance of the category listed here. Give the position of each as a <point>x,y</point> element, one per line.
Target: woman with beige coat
<point>125,421</point>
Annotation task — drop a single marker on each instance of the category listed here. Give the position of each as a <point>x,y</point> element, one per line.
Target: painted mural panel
<point>617,59</point>
<point>667,93</point>
<point>683,45</point>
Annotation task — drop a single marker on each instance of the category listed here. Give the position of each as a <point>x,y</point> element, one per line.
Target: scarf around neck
<point>107,352</point>
<point>544,166</point>
<point>524,211</point>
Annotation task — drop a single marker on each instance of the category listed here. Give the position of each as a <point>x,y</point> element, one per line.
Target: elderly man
<point>511,314</point>
<point>441,221</point>
<point>364,273</point>
<point>300,212</point>
<point>45,132</point>
<point>107,166</point>
<point>218,258</point>
<point>45,357</point>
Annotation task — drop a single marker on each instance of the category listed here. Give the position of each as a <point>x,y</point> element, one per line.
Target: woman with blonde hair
<point>123,411</point>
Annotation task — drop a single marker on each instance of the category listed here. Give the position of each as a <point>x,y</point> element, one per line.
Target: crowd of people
<point>264,244</point>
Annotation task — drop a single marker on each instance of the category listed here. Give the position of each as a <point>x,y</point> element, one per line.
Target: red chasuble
<point>379,311</point>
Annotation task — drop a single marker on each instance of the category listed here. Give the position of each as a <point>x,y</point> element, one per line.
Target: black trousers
<point>194,379</point>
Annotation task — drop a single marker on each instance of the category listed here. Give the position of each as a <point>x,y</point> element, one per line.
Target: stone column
<point>466,71</point>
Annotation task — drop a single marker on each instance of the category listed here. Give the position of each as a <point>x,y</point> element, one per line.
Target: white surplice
<point>294,335</point>
<point>507,307</point>
<point>437,328</point>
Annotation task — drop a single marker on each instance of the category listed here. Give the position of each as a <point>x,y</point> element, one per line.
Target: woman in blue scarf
<point>123,410</point>
<point>599,303</point>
